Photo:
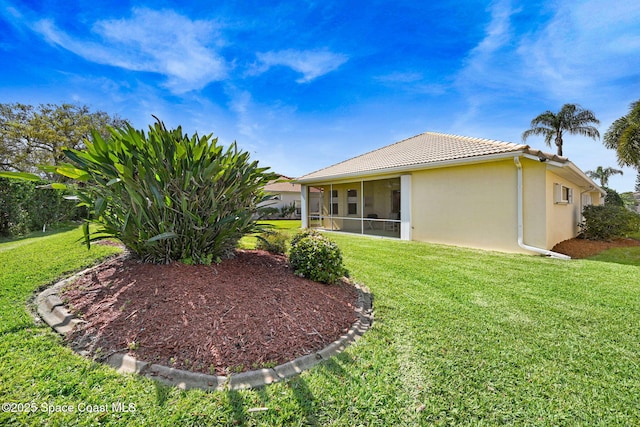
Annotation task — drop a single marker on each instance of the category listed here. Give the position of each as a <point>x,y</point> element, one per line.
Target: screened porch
<point>364,207</point>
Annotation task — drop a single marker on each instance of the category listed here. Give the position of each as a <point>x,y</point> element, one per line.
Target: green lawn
<point>461,337</point>
<point>286,226</point>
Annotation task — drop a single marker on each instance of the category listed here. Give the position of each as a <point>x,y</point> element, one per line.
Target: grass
<point>629,256</point>
<point>286,226</point>
<point>461,337</point>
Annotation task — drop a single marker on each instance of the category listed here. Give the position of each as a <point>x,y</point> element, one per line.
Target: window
<point>352,202</point>
<point>562,194</point>
<point>334,202</point>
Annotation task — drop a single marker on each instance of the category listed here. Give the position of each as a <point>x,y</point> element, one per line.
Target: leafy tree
<point>32,136</point>
<point>637,188</point>
<point>571,119</point>
<point>624,136</point>
<point>603,174</point>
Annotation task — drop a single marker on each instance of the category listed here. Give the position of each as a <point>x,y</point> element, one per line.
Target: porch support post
<point>405,207</point>
<point>304,206</point>
<point>361,207</point>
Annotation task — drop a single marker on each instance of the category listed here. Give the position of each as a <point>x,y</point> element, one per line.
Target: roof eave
<point>411,168</point>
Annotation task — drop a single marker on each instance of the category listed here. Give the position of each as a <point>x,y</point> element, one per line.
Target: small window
<point>334,193</point>
<point>353,208</point>
<point>334,209</point>
<point>563,195</point>
<point>352,193</point>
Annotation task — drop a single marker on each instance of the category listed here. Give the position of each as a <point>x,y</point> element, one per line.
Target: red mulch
<point>244,313</point>
<point>584,248</point>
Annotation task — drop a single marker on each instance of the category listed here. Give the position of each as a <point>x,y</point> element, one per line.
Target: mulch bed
<point>584,248</point>
<point>247,312</point>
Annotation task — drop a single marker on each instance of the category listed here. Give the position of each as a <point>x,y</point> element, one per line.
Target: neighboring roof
<point>422,150</point>
<point>284,184</point>
<point>279,187</point>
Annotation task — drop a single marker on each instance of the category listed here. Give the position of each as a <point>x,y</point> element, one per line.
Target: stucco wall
<point>563,218</point>
<point>473,205</point>
<point>533,202</point>
<point>285,198</point>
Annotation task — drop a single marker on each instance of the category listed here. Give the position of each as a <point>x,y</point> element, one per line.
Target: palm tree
<point>571,119</point>
<point>624,136</point>
<point>603,174</point>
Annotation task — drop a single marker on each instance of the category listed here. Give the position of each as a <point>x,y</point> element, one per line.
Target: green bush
<point>14,218</point>
<point>613,198</point>
<point>608,222</point>
<point>315,257</point>
<point>272,241</point>
<point>165,195</point>
<point>267,212</point>
<point>25,208</point>
<point>307,232</point>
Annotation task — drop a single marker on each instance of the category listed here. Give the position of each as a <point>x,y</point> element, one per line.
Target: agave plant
<point>165,195</point>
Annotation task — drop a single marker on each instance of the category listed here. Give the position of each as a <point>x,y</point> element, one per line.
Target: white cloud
<point>162,42</point>
<point>310,63</point>
<point>487,71</point>
<point>584,46</point>
<point>580,54</point>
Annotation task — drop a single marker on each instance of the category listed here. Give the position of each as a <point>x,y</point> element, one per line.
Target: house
<point>455,190</point>
<point>285,198</point>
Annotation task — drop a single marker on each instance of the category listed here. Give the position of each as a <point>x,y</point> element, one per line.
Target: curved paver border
<point>52,310</point>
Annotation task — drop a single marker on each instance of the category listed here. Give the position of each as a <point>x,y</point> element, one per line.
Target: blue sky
<point>303,85</point>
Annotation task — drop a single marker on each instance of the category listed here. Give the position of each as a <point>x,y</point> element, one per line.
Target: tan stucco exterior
<point>470,205</point>
<point>475,204</point>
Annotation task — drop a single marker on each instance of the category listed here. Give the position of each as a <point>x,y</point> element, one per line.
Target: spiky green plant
<point>165,195</point>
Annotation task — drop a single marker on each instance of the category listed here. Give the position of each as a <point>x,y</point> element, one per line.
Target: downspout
<point>521,220</point>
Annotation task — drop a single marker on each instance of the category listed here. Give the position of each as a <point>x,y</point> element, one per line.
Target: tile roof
<point>277,187</point>
<point>420,150</point>
<point>285,184</point>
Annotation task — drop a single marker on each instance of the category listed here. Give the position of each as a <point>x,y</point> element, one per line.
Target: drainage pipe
<point>521,220</point>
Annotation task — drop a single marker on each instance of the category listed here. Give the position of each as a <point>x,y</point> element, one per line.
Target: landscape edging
<point>52,311</point>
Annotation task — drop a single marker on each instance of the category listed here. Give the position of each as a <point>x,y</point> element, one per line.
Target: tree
<point>624,136</point>
<point>571,119</point>
<point>637,188</point>
<point>32,136</point>
<point>603,174</point>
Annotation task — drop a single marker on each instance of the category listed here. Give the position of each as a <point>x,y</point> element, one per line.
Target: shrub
<point>315,257</point>
<point>165,195</point>
<point>14,218</point>
<point>613,198</point>
<point>287,210</point>
<point>272,241</point>
<point>24,208</point>
<point>307,232</point>
<point>608,222</point>
<point>267,212</point>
